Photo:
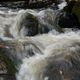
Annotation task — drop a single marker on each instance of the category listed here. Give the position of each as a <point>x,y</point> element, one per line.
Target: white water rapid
<point>45,50</point>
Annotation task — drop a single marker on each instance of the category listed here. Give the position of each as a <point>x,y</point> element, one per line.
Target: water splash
<point>55,62</point>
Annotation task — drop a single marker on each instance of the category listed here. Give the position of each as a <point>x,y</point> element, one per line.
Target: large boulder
<point>70,17</point>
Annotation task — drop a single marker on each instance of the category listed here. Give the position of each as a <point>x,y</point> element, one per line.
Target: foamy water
<point>37,67</point>
<point>45,56</point>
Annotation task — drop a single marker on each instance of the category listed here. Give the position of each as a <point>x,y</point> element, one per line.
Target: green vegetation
<point>8,63</point>
<point>76,10</point>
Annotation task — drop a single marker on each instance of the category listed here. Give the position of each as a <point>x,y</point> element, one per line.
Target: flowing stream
<point>39,47</point>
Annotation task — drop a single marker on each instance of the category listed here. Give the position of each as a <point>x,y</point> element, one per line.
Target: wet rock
<point>69,18</point>
<point>68,21</point>
<point>30,25</point>
<point>7,67</point>
<point>76,10</point>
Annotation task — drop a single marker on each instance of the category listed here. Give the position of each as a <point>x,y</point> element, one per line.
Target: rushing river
<point>39,47</point>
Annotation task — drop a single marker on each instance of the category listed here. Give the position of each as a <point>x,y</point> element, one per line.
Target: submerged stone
<point>27,25</point>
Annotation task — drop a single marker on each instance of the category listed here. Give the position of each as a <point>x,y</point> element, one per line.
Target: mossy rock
<point>8,64</point>
<point>76,10</point>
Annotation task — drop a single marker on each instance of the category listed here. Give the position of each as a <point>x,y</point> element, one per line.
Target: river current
<point>50,53</point>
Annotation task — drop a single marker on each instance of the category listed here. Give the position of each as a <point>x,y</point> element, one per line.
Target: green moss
<point>76,10</point>
<point>8,63</point>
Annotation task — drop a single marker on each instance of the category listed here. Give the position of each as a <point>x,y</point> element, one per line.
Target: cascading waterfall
<point>56,57</point>
<point>39,47</point>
